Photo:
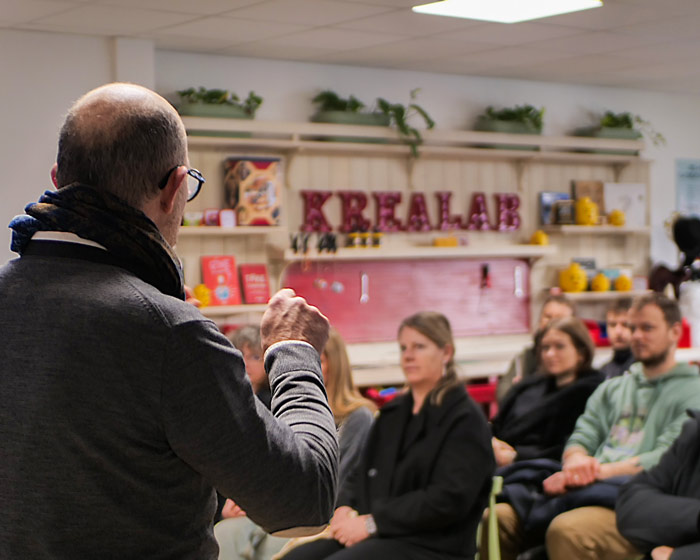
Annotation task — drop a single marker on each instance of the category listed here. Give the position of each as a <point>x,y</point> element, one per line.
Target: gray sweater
<point>121,409</point>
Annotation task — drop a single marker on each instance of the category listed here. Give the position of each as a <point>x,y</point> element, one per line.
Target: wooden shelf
<point>597,230</point>
<point>218,231</point>
<point>227,310</point>
<point>603,296</point>
<point>425,252</point>
<point>313,137</point>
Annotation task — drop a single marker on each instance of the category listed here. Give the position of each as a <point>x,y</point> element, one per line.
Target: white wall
<point>454,102</point>
<point>43,73</point>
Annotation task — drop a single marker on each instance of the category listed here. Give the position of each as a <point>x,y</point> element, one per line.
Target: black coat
<point>542,432</point>
<point>432,494</point>
<point>661,506</point>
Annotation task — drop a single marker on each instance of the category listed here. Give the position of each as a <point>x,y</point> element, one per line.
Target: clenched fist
<point>289,317</point>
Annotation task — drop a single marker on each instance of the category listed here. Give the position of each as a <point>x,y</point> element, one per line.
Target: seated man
<point>620,337</point>
<point>247,340</point>
<point>659,510</point>
<point>628,423</point>
<point>525,364</point>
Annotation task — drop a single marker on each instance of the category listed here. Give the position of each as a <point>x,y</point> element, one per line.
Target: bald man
<point>121,407</point>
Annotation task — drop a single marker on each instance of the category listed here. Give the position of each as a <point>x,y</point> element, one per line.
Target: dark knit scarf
<point>127,233</point>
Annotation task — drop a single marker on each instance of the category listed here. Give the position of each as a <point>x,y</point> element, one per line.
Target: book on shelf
<point>631,198</point>
<point>591,189</point>
<point>219,274</point>
<point>253,189</point>
<point>547,200</point>
<point>563,212</point>
<point>255,282</point>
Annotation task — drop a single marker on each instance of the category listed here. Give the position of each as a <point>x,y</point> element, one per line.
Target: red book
<point>219,275</point>
<point>256,283</point>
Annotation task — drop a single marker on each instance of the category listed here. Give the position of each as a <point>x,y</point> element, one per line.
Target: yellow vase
<point>586,212</point>
<point>600,283</point>
<point>573,279</point>
<point>539,238</point>
<point>623,283</point>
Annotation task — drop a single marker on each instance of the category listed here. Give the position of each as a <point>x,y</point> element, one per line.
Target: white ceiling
<point>646,44</point>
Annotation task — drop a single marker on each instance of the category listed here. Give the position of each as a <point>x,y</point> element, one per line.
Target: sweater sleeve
<point>689,400</point>
<point>351,442</point>
<point>687,552</point>
<point>463,467</point>
<point>279,466</point>
<point>648,512</point>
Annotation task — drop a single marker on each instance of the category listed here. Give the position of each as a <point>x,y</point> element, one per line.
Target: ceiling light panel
<point>505,11</point>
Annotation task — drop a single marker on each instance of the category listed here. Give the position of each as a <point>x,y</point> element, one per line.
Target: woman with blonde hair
<point>239,537</point>
<point>425,473</point>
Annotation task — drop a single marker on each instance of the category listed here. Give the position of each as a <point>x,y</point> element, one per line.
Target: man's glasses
<point>195,180</point>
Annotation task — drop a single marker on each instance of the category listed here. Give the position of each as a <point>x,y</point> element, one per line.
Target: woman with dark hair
<point>539,413</point>
<point>425,474</point>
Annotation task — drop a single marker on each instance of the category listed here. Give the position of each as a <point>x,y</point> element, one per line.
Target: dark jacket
<point>121,409</point>
<point>661,506</point>
<point>542,431</point>
<point>619,364</point>
<point>434,493</point>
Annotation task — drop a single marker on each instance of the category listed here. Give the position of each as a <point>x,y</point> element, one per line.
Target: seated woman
<point>425,474</point>
<point>539,413</point>
<point>239,537</point>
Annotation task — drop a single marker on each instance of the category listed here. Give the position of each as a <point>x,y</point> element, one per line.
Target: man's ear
<point>54,169</point>
<point>168,194</point>
<point>676,331</point>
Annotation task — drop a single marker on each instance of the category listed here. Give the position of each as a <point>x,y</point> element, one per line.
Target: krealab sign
<point>354,204</point>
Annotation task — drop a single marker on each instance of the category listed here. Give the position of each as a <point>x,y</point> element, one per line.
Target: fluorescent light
<point>505,11</point>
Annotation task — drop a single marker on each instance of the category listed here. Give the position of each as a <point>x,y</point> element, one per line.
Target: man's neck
<point>663,368</point>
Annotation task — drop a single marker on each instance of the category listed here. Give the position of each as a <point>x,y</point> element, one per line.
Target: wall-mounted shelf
<point>383,141</point>
<point>425,252</point>
<point>603,296</point>
<point>218,231</point>
<point>227,310</point>
<point>597,230</point>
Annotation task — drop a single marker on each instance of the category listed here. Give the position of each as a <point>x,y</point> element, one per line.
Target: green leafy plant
<point>399,116</point>
<point>328,100</point>
<point>221,97</point>
<point>629,121</point>
<point>526,114</point>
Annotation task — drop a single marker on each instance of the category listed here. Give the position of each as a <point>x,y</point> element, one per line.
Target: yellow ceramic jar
<point>586,212</point>
<point>573,279</point>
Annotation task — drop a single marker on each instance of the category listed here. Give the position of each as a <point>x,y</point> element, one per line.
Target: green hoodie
<point>629,415</point>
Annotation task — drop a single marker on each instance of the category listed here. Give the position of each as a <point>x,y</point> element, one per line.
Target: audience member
<point>526,363</point>
<point>121,407</point>
<point>426,471</point>
<point>659,510</point>
<point>620,337</point>
<point>247,340</point>
<point>539,413</point>
<point>628,423</point>
<point>240,538</point>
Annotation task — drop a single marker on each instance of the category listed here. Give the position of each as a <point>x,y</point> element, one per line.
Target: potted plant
<point>622,126</point>
<point>217,103</point>
<point>521,119</point>
<point>203,102</point>
<point>335,109</point>
<point>400,117</point>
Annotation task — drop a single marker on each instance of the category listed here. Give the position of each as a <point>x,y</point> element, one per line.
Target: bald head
<point>122,138</point>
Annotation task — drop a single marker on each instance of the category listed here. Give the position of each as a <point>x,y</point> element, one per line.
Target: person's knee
<point>563,529</point>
